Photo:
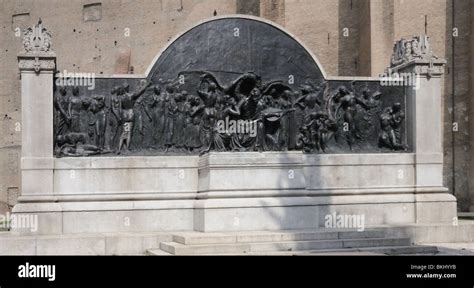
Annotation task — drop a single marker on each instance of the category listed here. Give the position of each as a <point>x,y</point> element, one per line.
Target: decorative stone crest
<point>37,39</point>
<point>416,48</point>
<point>37,54</point>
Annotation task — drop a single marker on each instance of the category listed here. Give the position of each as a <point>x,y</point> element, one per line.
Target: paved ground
<point>454,248</point>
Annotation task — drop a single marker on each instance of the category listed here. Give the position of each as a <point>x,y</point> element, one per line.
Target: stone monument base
<point>237,192</point>
<point>282,191</point>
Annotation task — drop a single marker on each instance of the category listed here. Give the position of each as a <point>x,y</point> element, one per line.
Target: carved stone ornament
<point>37,54</point>
<point>36,39</point>
<point>416,48</point>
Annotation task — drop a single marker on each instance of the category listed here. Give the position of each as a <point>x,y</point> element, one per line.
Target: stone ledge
<point>252,159</point>
<point>329,192</point>
<point>103,206</point>
<point>359,159</point>
<point>37,163</point>
<point>434,68</point>
<point>429,158</point>
<point>216,160</point>
<point>144,162</point>
<point>36,62</point>
<point>303,201</point>
<point>111,196</point>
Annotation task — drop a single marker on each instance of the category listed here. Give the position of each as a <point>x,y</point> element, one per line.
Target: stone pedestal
<point>37,162</point>
<point>284,191</point>
<point>425,126</point>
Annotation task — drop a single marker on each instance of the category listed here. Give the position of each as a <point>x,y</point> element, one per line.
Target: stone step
<point>387,250</point>
<point>195,238</point>
<point>245,248</point>
<point>330,244</point>
<point>181,249</point>
<point>157,252</point>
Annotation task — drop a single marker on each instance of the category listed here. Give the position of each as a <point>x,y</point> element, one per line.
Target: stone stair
<point>317,242</point>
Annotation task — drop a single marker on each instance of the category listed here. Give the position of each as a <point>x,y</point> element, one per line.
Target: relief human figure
<point>138,123</point>
<point>127,115</point>
<point>320,128</point>
<point>270,129</point>
<point>180,120</point>
<point>374,107</point>
<point>75,107</point>
<point>116,120</point>
<point>62,117</point>
<point>75,145</point>
<point>303,139</point>
<point>171,111</point>
<point>269,99</point>
<point>97,107</point>
<point>391,121</point>
<point>231,112</point>
<point>328,128</point>
<point>159,116</point>
<point>284,103</point>
<point>146,106</point>
<point>252,107</point>
<point>309,100</point>
<point>192,140</point>
<point>347,111</point>
<point>210,137</point>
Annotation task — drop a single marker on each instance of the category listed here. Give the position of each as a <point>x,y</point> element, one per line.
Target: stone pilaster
<point>37,64</point>
<point>424,116</point>
<point>434,203</point>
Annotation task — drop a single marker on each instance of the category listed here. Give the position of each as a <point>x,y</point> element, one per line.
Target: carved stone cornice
<point>36,63</point>
<point>433,68</point>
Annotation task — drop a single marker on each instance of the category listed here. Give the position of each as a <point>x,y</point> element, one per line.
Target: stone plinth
<point>297,191</point>
<point>425,117</point>
<point>234,192</point>
<point>104,194</point>
<point>37,162</point>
